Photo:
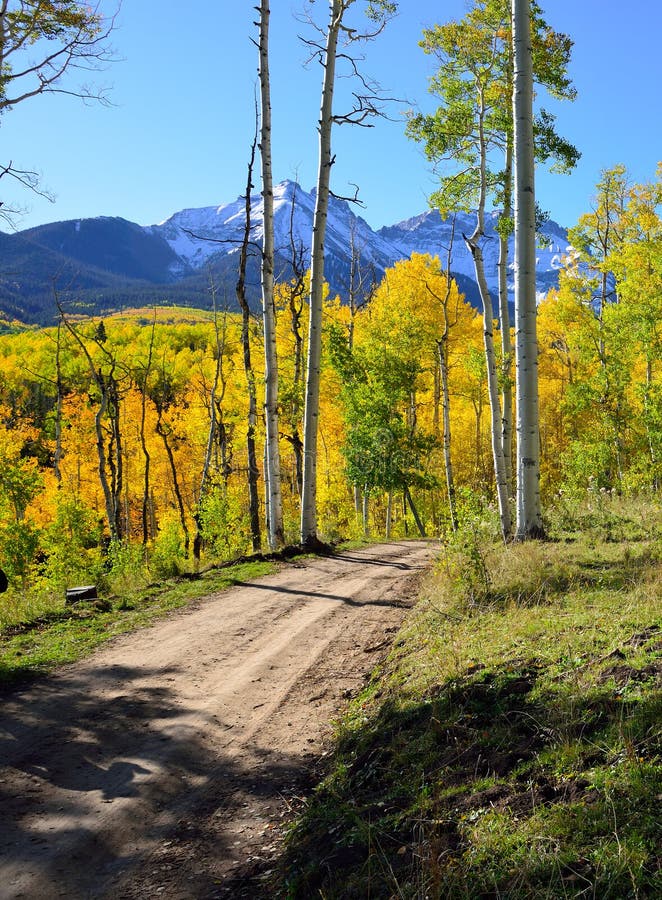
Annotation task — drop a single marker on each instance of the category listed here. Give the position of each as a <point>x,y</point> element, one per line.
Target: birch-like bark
<point>529,516</point>
<point>648,407</point>
<point>276,531</point>
<point>107,466</point>
<point>366,514</point>
<point>311,414</point>
<point>163,433</point>
<point>251,387</point>
<point>442,345</point>
<point>109,499</point>
<point>143,437</point>
<point>59,387</point>
<point>473,243</point>
<point>504,320</point>
<point>389,515</point>
<point>215,426</point>
<point>115,449</point>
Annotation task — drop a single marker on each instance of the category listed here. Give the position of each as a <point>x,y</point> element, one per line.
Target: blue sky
<point>178,133</point>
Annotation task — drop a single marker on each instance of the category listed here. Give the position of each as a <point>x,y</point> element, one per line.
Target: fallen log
<point>84,592</point>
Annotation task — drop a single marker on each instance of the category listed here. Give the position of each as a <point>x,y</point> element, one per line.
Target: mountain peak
<point>179,252</point>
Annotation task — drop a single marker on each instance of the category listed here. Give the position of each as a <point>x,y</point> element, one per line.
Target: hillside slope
<point>110,263</point>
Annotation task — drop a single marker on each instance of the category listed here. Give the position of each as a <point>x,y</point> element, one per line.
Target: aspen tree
<point>251,387</point>
<point>470,83</point>
<point>529,514</point>
<point>109,455</point>
<point>142,380</point>
<point>474,83</point>
<point>364,108</point>
<point>216,427</point>
<point>272,451</point>
<point>503,228</point>
<point>442,349</point>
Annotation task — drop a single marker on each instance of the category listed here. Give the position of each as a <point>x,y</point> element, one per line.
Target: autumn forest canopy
<point>168,438</point>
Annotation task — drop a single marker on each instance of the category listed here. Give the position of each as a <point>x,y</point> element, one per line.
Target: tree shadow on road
<point>87,784</point>
<point>341,598</point>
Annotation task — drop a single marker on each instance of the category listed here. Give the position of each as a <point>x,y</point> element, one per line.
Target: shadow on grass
<point>496,784</point>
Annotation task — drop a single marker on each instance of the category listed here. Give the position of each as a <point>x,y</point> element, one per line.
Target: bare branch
<point>235,241</point>
<point>81,42</point>
<point>354,199</point>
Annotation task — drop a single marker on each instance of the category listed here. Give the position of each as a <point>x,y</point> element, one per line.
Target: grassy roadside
<point>509,747</point>
<point>70,632</point>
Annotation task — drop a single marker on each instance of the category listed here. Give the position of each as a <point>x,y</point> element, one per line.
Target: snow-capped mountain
<point>197,235</point>
<point>429,233</point>
<point>111,263</point>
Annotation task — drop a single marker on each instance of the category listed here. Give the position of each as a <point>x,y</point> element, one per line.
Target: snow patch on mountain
<point>197,235</point>
<point>429,233</point>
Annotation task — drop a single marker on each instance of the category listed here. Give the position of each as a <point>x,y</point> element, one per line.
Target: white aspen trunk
<point>473,244</point>
<point>276,531</point>
<point>504,319</point>
<point>357,499</point>
<point>251,386</point>
<point>529,516</point>
<point>389,515</point>
<point>311,414</point>
<point>366,515</point>
<point>446,413</point>
<point>267,498</point>
<point>109,499</point>
<point>57,456</point>
<point>143,437</point>
<point>442,347</point>
<point>109,493</point>
<point>211,434</point>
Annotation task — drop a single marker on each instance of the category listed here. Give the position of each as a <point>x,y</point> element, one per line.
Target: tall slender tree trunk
<point>311,414</point>
<point>240,291</point>
<point>389,515</point>
<point>59,387</point>
<point>412,506</point>
<point>442,346</point>
<point>496,426</point>
<point>115,454</point>
<point>504,320</point>
<point>146,518</point>
<point>529,515</point>
<point>648,407</point>
<point>296,302</point>
<point>215,426</point>
<point>276,531</point>
<point>110,471</point>
<point>109,500</point>
<point>163,433</point>
<point>267,499</point>
<point>366,514</point>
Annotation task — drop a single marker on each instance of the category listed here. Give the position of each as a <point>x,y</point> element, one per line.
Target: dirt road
<point>163,765</point>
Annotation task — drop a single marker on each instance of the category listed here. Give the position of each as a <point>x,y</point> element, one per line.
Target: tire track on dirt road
<point>161,765</point>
